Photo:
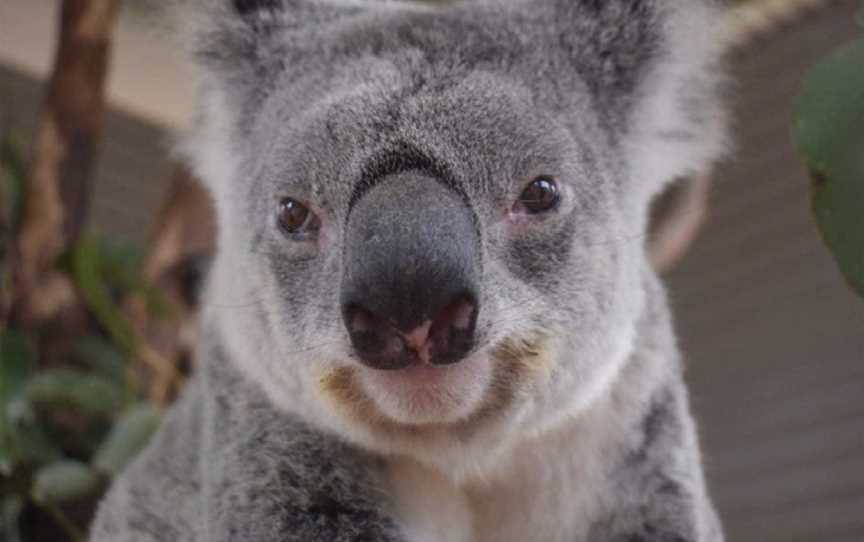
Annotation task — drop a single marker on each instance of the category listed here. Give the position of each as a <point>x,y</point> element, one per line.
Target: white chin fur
<point>423,396</point>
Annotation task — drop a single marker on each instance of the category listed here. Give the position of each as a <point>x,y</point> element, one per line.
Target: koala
<point>431,316</point>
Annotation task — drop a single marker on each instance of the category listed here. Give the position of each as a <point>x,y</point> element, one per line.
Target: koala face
<point>432,216</point>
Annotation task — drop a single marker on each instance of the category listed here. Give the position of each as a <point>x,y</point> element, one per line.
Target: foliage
<point>12,172</point>
<point>829,129</point>
<point>68,427</point>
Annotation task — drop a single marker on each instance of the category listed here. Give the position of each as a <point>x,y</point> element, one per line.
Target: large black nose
<point>411,268</point>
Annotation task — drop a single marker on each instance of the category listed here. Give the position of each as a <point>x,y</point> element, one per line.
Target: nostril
<point>359,320</point>
<point>452,332</point>
<point>377,343</point>
<point>458,314</point>
<point>442,340</point>
<point>463,314</point>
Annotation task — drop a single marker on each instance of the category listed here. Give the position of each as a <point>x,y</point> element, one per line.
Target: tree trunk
<point>58,187</point>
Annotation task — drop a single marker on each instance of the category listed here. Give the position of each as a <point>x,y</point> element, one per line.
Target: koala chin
<point>431,316</point>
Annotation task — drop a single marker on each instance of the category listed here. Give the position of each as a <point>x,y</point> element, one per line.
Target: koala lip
<point>417,372</point>
<point>428,394</point>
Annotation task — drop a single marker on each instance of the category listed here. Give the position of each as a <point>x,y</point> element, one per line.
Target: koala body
<point>431,316</point>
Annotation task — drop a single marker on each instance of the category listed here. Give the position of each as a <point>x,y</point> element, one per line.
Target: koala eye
<point>540,196</point>
<point>295,218</point>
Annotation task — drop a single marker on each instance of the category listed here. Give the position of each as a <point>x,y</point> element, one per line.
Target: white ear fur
<point>208,147</point>
<point>679,128</point>
<point>206,17</point>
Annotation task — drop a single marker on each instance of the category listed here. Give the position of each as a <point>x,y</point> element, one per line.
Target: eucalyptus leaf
<point>101,356</point>
<point>17,358</point>
<point>157,303</point>
<point>88,274</point>
<point>89,393</point>
<point>829,129</point>
<point>120,263</point>
<point>7,453</point>
<point>128,437</point>
<point>65,481</point>
<point>12,172</point>
<point>26,443</point>
<point>11,507</point>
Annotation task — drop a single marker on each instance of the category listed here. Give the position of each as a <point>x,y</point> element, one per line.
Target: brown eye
<point>540,196</point>
<point>294,217</point>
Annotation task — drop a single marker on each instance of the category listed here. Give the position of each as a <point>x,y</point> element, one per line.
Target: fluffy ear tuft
<point>679,127</point>
<point>244,40</point>
<point>654,68</point>
<point>242,48</point>
<point>237,38</point>
<point>232,34</point>
<point>244,7</point>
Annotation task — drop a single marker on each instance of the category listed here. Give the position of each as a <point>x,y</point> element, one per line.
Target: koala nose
<point>410,274</point>
<point>443,340</point>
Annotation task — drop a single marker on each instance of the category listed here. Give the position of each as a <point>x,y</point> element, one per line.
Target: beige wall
<point>148,78</point>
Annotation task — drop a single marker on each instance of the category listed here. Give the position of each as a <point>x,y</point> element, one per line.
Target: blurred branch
<point>57,189</point>
<point>676,219</point>
<point>179,250</point>
<point>184,226</point>
<point>751,20</point>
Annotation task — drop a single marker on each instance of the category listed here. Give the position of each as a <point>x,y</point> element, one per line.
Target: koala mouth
<point>410,299</point>
<point>422,393</point>
<point>425,395</point>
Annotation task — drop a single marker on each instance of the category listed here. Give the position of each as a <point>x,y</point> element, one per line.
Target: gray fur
<point>575,375</point>
<point>266,476</point>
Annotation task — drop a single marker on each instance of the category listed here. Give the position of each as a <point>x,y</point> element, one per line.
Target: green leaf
<point>120,264</point>
<point>12,173</point>
<point>92,284</point>
<point>90,393</point>
<point>157,303</point>
<point>16,432</point>
<point>11,507</point>
<point>25,443</point>
<point>65,481</point>
<point>829,130</point>
<point>127,439</point>
<point>16,363</point>
<point>31,445</point>
<point>101,356</point>
<point>12,160</point>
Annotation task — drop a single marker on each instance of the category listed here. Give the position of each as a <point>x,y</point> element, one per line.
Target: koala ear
<point>235,36</point>
<point>241,48</point>
<point>654,68</point>
<point>611,43</point>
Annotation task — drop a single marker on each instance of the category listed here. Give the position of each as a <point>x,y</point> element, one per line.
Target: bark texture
<point>58,186</point>
<point>676,220</point>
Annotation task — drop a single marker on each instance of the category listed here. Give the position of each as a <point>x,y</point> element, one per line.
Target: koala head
<point>432,216</point>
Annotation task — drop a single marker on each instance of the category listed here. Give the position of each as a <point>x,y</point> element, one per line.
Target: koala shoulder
<point>226,466</point>
<point>157,497</point>
<point>271,477</point>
